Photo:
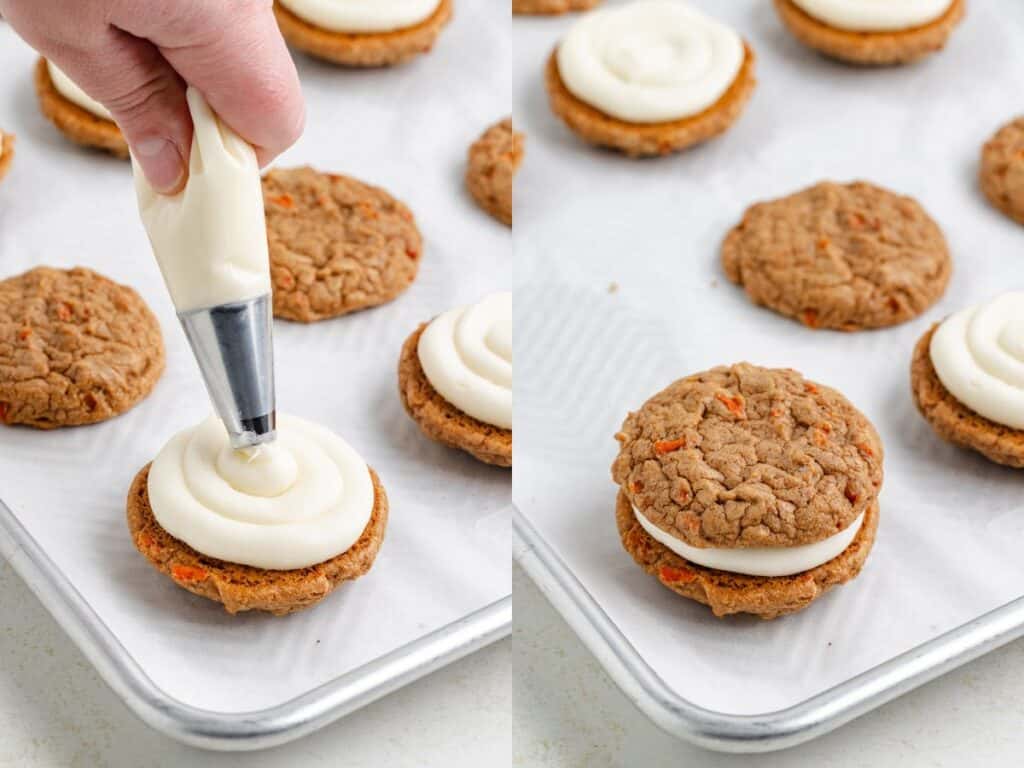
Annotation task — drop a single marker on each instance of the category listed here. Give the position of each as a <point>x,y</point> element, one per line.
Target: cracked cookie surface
<point>841,256</point>
<point>744,456</point>
<point>494,159</point>
<point>337,245</point>
<point>75,348</point>
<point>1002,169</point>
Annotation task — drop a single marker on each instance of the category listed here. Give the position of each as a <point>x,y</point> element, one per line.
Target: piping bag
<point>210,241</point>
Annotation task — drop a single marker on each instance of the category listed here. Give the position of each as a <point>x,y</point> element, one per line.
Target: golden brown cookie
<point>371,49</point>
<point>494,160</point>
<point>79,125</point>
<point>6,152</point>
<point>75,348</point>
<point>841,256</point>
<point>337,245</point>
<point>870,48</point>
<point>954,421</point>
<point>649,139</point>
<point>747,457</point>
<point>726,593</point>
<point>1002,169</point>
<point>241,587</point>
<point>549,7</point>
<point>442,421</point>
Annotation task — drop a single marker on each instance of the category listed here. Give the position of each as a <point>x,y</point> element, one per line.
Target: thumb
<point>146,98</point>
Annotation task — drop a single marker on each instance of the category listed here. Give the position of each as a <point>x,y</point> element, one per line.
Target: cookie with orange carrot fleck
<point>75,348</point>
<point>841,256</point>
<point>494,160</point>
<point>337,245</point>
<point>242,587</point>
<point>748,489</point>
<point>1002,169</point>
<point>6,152</point>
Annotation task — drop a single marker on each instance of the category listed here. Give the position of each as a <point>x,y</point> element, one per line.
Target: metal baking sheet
<point>440,587</point>
<point>619,291</point>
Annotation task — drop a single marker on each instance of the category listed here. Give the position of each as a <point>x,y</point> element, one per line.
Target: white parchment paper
<point>446,552</point>
<point>588,351</point>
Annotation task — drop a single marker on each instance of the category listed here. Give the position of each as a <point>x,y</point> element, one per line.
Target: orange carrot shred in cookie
<point>810,388</point>
<point>865,449</point>
<point>734,404</point>
<point>187,573</point>
<point>810,318</point>
<point>24,333</point>
<point>285,201</point>
<point>662,447</point>
<point>3,411</point>
<point>676,575</point>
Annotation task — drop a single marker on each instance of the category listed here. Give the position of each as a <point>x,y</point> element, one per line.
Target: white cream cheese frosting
<point>67,88</point>
<point>292,504</point>
<point>758,561</point>
<point>210,239</point>
<point>874,15</point>
<point>649,61</point>
<point>362,16</point>
<point>466,354</point>
<point>978,355</point>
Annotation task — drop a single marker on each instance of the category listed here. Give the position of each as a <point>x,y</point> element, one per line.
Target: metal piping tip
<point>233,344</point>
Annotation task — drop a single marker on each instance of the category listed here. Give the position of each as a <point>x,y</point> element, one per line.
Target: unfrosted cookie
<point>548,7</point>
<point>870,47</point>
<point>442,420</point>
<point>981,383</point>
<point>76,123</point>
<point>337,245</point>
<point>768,482</point>
<point>1002,169</point>
<point>6,152</point>
<point>366,49</point>
<point>242,587</point>
<point>622,79</point>
<point>75,348</point>
<point>841,256</point>
<point>494,160</point>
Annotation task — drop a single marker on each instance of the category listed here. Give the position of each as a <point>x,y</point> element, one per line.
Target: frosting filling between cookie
<point>466,355</point>
<point>362,15</point>
<point>758,561</point>
<point>978,355</point>
<point>67,88</point>
<point>874,15</point>
<point>649,61</point>
<point>210,239</point>
<point>293,504</point>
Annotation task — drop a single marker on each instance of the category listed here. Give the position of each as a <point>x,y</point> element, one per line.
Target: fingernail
<point>162,163</point>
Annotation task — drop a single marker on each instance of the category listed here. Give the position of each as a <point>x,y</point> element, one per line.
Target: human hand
<point>136,57</point>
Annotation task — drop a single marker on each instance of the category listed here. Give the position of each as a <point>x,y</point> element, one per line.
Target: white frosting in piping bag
<point>978,354</point>
<point>649,61</point>
<point>466,354</point>
<point>210,239</point>
<point>758,561</point>
<point>67,88</point>
<point>297,502</point>
<point>874,15</point>
<point>362,15</point>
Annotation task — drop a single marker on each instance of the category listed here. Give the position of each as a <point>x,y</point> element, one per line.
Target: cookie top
<point>1002,169</point>
<point>744,456</point>
<point>337,245</point>
<point>494,159</point>
<point>548,7</point>
<point>75,348</point>
<point>842,256</point>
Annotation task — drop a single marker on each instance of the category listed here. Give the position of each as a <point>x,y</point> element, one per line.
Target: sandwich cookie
<point>967,376</point>
<point>75,348</point>
<point>76,114</point>
<point>748,489</point>
<point>337,245</point>
<point>275,529</point>
<point>356,33</point>
<point>494,160</point>
<point>872,32</point>
<point>1002,170</point>
<point>455,379</point>
<point>841,256</point>
<point>650,77</point>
